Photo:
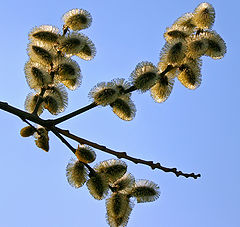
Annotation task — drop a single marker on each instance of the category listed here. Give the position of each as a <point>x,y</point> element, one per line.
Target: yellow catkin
<point>197,46</point>
<point>98,186</point>
<point>42,139</point>
<point>145,191</point>
<point>124,184</point>
<point>85,154</point>
<point>204,16</point>
<point>88,51</point>
<point>190,73</point>
<point>104,93</point>
<point>177,32</point>
<point>77,19</point>
<point>56,99</point>
<point>113,169</point>
<point>66,69</point>
<point>27,131</point>
<point>162,89</point>
<point>31,101</point>
<point>46,34</point>
<point>124,108</point>
<point>72,84</point>
<point>144,76</point>
<point>173,53</point>
<point>119,208</point>
<point>216,45</point>
<point>76,173</point>
<point>36,75</point>
<point>71,44</point>
<point>41,53</point>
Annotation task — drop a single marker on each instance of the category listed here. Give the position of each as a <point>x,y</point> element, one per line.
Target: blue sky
<point>195,131</point>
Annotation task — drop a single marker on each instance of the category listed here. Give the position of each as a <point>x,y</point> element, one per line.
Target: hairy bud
<point>145,191</point>
<point>162,89</point>
<point>72,44</point>
<point>31,101</point>
<point>27,131</point>
<point>88,51</point>
<point>124,184</point>
<point>190,73</point>
<point>144,76</point>
<point>186,21</point>
<point>36,75</point>
<point>76,173</point>
<point>119,208</point>
<point>85,154</point>
<point>204,16</point>
<point>45,33</point>
<point>197,46</point>
<point>124,108</point>
<point>77,19</point>
<point>42,139</point>
<point>113,169</point>
<point>40,53</point>
<point>98,186</point>
<point>216,45</point>
<point>173,53</point>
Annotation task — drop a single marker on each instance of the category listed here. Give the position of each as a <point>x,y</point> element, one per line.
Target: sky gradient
<point>194,131</point>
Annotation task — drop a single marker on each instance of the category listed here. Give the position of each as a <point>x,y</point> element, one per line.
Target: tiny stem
<point>65,30</point>
<point>55,131</point>
<point>39,101</point>
<point>26,121</point>
<point>73,114</point>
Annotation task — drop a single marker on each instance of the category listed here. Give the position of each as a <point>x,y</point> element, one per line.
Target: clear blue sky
<point>195,131</point>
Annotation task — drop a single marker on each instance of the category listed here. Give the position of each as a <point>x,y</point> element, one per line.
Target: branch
<point>93,104</point>
<point>125,156</point>
<point>49,125</point>
<point>74,113</point>
<point>22,114</point>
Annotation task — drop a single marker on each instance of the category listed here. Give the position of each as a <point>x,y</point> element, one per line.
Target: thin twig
<point>49,125</point>
<point>125,156</point>
<point>93,104</point>
<point>74,113</point>
<point>34,128</point>
<point>22,114</point>
<point>55,131</point>
<point>39,101</point>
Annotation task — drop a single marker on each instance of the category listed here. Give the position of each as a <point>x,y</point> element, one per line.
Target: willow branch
<point>93,104</point>
<point>124,155</point>
<point>22,114</point>
<point>74,113</point>
<point>49,125</point>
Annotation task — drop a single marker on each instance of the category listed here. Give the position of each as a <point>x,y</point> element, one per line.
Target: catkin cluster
<point>50,68</point>
<point>109,179</point>
<point>189,38</point>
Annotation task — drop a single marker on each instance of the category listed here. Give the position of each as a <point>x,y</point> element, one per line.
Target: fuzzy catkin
<point>76,173</point>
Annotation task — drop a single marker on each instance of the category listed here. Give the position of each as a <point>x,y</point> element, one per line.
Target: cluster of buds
<point>50,68</point>
<point>114,94</point>
<point>109,179</point>
<point>187,40</point>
